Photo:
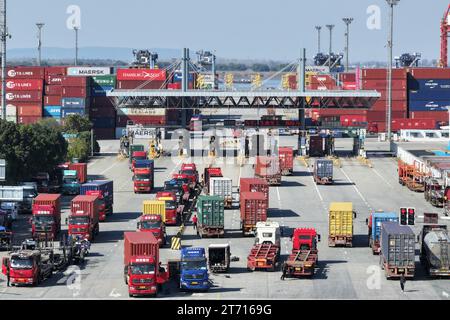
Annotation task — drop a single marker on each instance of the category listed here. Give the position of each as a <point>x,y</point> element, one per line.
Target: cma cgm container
<point>286,156</point>
<point>254,185</point>
<point>210,212</point>
<point>254,206</point>
<point>434,105</point>
<point>424,89</point>
<point>398,249</point>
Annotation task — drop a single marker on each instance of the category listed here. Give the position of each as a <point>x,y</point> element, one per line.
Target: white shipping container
<point>11,110</point>
<point>141,111</point>
<point>88,71</point>
<point>220,186</point>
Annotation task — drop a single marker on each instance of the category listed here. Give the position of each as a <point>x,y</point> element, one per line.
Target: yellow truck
<point>340,224</point>
<point>154,207</point>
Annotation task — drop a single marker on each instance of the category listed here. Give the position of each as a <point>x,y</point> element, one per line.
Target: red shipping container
<point>121,121</point>
<point>254,185</point>
<point>25,73</point>
<point>254,207</point>
<point>441,116</point>
<point>81,169</point>
<point>24,96</point>
<point>52,100</point>
<point>54,79</point>
<point>352,120</point>
<point>371,74</point>
<point>286,157</point>
<point>53,90</point>
<point>31,110</point>
<point>430,73</point>
<point>105,133</point>
<point>396,106</point>
<point>174,86</point>
<point>379,84</point>
<point>102,102</point>
<point>75,92</point>
<point>140,244</point>
<point>24,85</point>
<point>76,81</point>
<point>322,86</point>
<point>143,85</point>
<point>102,112</point>
<point>377,126</point>
<point>86,205</point>
<point>141,74</point>
<point>425,124</point>
<point>338,112</point>
<point>55,71</point>
<point>349,85</point>
<point>28,119</point>
<point>397,95</point>
<point>44,199</point>
<point>381,115</point>
<point>347,77</point>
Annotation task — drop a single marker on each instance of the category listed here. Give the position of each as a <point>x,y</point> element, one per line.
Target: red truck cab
<point>46,216</point>
<point>84,217</point>
<point>189,170</point>
<point>138,155</point>
<point>102,204</point>
<point>172,208</point>
<point>305,239</point>
<point>27,267</point>
<point>142,180</point>
<point>153,223</point>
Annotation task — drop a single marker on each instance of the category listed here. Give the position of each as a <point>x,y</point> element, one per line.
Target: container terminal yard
<point>319,181</point>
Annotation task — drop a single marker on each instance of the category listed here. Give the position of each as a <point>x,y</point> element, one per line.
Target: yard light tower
<point>318,28</point>
<point>76,45</point>
<point>40,25</point>
<point>347,22</point>
<point>330,27</point>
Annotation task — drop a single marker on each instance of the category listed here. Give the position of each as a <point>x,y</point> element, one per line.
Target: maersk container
<point>74,102</point>
<point>378,218</point>
<point>140,244</point>
<point>210,212</point>
<point>398,245</point>
<point>105,186</point>
<point>52,111</point>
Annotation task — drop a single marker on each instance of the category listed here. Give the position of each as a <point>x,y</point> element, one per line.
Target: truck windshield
<point>141,269</point>
<point>78,220</point>
<point>139,158</point>
<point>43,219</point>
<point>194,264</point>
<point>69,180</point>
<point>150,225</point>
<point>142,177</point>
<point>29,193</point>
<point>188,172</point>
<point>21,263</point>
<point>171,205</point>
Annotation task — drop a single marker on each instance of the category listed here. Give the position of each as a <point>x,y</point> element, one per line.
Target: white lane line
<point>109,168</point>
<point>92,163</point>
<point>357,190</point>
<point>382,178</point>
<point>317,188</point>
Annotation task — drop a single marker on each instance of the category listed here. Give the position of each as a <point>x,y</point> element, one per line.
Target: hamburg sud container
<point>397,250</point>
<point>254,207</point>
<point>210,212</point>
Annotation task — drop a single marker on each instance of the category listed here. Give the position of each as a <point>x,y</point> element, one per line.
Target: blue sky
<point>243,29</point>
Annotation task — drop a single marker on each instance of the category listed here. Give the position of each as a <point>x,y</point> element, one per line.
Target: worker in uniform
<point>283,275</point>
<point>194,222</point>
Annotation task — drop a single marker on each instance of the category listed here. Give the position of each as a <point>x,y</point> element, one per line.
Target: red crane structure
<point>445,29</point>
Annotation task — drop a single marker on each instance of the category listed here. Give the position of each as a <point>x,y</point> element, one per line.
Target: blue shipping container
<point>427,105</point>
<point>106,186</point>
<point>52,111</point>
<point>430,95</point>
<point>177,77</point>
<point>104,122</point>
<point>429,84</point>
<point>69,111</point>
<point>74,102</point>
<point>100,91</point>
<point>378,218</point>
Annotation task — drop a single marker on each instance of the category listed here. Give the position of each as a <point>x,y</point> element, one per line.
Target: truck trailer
<point>435,250</point>
<point>46,219</point>
<point>210,212</point>
<point>84,217</point>
<point>340,224</point>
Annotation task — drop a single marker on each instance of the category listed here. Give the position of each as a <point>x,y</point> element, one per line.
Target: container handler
<point>46,219</point>
<point>304,256</point>
<point>340,224</point>
<point>266,251</point>
<point>142,270</point>
<point>435,250</point>
<point>374,227</point>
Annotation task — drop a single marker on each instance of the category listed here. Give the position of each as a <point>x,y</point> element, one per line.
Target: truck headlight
<point>153,288</point>
<point>183,283</point>
<point>205,283</point>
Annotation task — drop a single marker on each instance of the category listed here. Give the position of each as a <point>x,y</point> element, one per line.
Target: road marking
<point>114,294</point>
<point>445,294</point>
<point>107,169</point>
<point>357,190</point>
<point>387,182</point>
<point>92,163</point>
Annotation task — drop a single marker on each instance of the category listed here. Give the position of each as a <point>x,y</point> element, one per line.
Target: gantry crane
<point>445,29</point>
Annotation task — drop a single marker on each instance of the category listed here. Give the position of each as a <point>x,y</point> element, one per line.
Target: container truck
<point>173,211</point>
<point>286,156</point>
<point>73,178</point>
<point>340,224</point>
<point>143,180</point>
<point>209,173</point>
<point>254,185</point>
<point>398,247</point>
<point>142,270</point>
<point>266,251</point>
<point>323,171</point>
<point>194,270</point>
<point>268,168</point>
<point>190,170</point>
<point>210,212</point>
<point>222,187</point>
<point>81,169</point>
<point>136,156</point>
<point>22,195</point>
<point>254,207</point>
<point>84,217</point>
<point>180,188</point>
<point>304,256</point>
<point>219,257</point>
<point>134,148</point>
<point>154,224</point>
<point>185,184</point>
<point>374,227</point>
<point>435,250</point>
<point>46,219</point>
<point>447,201</point>
<point>104,190</point>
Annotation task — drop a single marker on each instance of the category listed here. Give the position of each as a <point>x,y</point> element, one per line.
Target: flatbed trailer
<point>301,263</point>
<point>210,231</point>
<point>263,256</point>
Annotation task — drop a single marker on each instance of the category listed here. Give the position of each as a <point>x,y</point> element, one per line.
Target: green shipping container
<point>104,81</point>
<point>210,211</point>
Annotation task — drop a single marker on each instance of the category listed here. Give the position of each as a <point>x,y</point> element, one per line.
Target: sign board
<point>2,169</point>
<point>141,132</point>
<point>319,69</point>
<point>88,71</point>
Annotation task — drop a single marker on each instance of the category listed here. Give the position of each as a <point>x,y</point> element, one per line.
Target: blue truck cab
<point>374,224</point>
<point>70,185</point>
<point>194,269</point>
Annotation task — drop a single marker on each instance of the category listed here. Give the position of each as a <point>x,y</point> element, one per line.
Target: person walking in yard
<point>194,222</point>
<point>7,275</point>
<point>402,282</point>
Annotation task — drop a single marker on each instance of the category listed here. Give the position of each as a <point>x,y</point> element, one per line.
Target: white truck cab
<point>268,232</point>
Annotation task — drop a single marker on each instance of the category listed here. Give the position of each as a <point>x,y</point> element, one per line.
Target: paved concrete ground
<point>343,273</point>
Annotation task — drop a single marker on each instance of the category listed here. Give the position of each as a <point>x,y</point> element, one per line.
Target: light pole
<point>330,27</point>
<point>347,22</point>
<point>4,35</point>
<point>76,45</point>
<point>318,28</point>
<point>391,4</point>
<point>40,25</point>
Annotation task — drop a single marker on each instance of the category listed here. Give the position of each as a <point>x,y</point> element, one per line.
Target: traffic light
<point>403,216</point>
<point>411,216</point>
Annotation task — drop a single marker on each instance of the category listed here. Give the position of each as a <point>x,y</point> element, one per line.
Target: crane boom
<point>445,29</point>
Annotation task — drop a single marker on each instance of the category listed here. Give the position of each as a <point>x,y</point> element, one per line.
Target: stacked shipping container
<point>102,111</point>
<point>53,92</point>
